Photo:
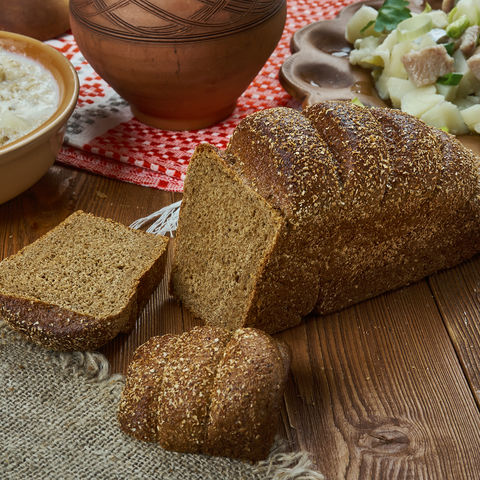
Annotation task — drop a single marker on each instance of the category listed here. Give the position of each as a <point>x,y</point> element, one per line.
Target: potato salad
<point>427,64</point>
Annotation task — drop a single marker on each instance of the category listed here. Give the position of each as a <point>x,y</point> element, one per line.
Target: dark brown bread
<point>184,395</point>
<point>216,392</point>
<point>82,283</point>
<point>369,200</point>
<point>242,423</point>
<point>137,411</point>
<point>246,229</point>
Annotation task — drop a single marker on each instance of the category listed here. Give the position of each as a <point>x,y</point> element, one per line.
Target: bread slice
<point>82,283</point>
<point>227,232</point>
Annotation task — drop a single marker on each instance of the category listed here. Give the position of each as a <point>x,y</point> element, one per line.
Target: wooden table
<point>388,389</point>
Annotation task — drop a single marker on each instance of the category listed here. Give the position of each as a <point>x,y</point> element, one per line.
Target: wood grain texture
<point>457,292</point>
<point>377,391</point>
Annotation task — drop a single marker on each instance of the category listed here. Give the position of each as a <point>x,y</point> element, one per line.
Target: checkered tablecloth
<point>103,136</point>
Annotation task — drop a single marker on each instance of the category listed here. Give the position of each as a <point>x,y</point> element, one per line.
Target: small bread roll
<point>207,391</point>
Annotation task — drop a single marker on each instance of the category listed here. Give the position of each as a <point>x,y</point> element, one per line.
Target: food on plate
<point>207,391</point>
<point>427,64</point>
<point>82,283</point>
<point>28,95</point>
<point>319,210</point>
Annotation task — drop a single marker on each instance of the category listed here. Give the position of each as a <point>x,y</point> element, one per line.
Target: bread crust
<point>138,407</point>
<point>184,395</point>
<point>207,391</point>
<point>246,396</point>
<point>299,178</point>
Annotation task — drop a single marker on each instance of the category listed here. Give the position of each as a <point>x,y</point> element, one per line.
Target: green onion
<point>450,79</point>
<point>356,101</point>
<point>449,47</point>
<point>455,29</point>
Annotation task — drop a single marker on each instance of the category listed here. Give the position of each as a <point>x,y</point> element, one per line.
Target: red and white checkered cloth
<point>103,136</point>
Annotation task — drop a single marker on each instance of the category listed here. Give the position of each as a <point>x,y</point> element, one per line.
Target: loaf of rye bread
<point>82,283</point>
<point>318,210</point>
<point>208,390</point>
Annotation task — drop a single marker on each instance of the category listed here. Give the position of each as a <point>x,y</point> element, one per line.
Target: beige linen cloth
<point>58,421</point>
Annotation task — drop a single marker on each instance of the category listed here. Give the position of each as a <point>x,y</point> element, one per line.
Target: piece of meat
<point>468,40</point>
<point>426,65</point>
<point>474,63</point>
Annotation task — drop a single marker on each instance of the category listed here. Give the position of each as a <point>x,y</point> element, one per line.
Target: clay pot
<point>181,64</point>
<point>40,19</point>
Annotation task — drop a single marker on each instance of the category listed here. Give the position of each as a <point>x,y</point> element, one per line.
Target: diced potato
<point>418,101</point>
<point>439,18</point>
<point>360,18</point>
<point>445,114</point>
<point>466,102</point>
<point>469,84</point>
<point>459,62</point>
<point>390,41</point>
<point>424,41</point>
<point>397,88</point>
<point>381,85</point>
<point>364,54</point>
<point>396,67</point>
<point>471,116</point>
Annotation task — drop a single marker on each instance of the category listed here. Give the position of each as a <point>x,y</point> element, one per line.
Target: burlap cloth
<point>58,421</point>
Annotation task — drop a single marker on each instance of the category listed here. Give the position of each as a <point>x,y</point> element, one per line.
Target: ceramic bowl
<point>26,160</point>
<point>180,64</point>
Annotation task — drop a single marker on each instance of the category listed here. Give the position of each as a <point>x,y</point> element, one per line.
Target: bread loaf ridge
<point>369,200</point>
<point>208,391</point>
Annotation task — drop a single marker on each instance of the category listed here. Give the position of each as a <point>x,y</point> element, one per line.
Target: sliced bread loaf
<point>318,210</point>
<point>82,283</point>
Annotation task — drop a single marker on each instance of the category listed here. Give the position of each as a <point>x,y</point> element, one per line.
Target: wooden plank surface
<point>457,292</point>
<point>380,390</point>
<point>377,392</point>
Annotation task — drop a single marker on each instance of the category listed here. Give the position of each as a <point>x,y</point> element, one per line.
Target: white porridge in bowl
<point>28,96</point>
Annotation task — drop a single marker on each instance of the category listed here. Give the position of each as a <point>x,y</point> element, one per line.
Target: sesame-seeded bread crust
<point>138,407</point>
<point>42,287</point>
<point>57,328</point>
<point>246,396</point>
<point>207,391</point>
<point>184,395</point>
<point>373,199</point>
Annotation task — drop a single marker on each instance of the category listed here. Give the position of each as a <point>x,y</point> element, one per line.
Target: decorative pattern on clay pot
<point>181,64</point>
